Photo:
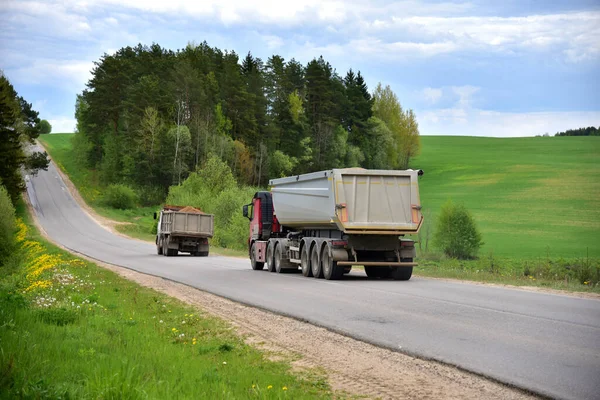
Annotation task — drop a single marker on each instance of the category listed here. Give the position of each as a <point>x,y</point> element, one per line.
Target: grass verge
<point>70,329</point>
<point>573,274</point>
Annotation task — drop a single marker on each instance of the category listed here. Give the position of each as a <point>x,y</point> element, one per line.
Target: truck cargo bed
<point>353,200</point>
<point>177,223</point>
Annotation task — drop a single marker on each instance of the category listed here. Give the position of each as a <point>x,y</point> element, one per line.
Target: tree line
<point>20,125</point>
<point>589,131</point>
<point>149,116</point>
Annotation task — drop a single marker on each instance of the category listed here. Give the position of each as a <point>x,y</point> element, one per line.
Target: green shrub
<point>7,225</point>
<point>456,233</point>
<point>150,195</point>
<point>120,196</point>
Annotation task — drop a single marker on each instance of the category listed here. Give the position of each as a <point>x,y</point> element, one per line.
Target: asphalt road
<point>547,343</point>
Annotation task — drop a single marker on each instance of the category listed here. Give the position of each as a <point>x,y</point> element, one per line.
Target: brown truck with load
<point>183,229</point>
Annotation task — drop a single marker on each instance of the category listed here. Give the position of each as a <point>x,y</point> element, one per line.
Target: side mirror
<point>245,210</point>
<point>155,216</point>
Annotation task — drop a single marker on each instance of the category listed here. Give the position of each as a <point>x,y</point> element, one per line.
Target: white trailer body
<point>328,221</point>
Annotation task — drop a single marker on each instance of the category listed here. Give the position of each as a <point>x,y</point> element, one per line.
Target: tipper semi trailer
<point>183,229</point>
<point>326,222</point>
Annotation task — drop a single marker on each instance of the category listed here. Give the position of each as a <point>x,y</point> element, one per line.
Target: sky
<point>496,68</point>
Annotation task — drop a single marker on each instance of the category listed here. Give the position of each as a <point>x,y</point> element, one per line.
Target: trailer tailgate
<point>377,201</point>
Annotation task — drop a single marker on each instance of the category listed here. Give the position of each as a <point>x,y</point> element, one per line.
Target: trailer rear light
<point>339,243</point>
<point>406,243</point>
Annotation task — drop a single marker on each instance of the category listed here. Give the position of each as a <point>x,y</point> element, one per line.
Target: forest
<point>589,131</point>
<point>150,116</point>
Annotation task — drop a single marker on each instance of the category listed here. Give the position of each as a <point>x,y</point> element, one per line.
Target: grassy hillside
<point>536,201</point>
<point>531,197</point>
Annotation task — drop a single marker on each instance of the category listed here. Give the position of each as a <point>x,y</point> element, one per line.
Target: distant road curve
<point>546,343</point>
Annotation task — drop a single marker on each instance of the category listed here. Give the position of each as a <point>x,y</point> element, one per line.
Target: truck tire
<point>257,266</point>
<point>159,247</point>
<point>402,273</point>
<point>270,263</point>
<point>169,252</point>
<point>203,253</point>
<point>305,261</point>
<point>315,265</point>
<point>331,270</point>
<point>277,259</point>
<point>165,251</point>
<point>378,272</point>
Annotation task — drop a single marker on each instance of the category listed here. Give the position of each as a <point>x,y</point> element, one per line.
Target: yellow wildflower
<point>32,246</point>
<point>22,230</point>
<point>270,387</point>
<point>39,285</point>
<point>284,388</point>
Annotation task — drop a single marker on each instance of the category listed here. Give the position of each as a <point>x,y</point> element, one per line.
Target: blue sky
<point>510,68</point>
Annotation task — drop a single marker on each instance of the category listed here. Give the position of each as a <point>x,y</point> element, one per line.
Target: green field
<point>531,197</point>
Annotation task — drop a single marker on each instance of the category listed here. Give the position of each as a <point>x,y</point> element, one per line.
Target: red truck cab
<point>263,223</point>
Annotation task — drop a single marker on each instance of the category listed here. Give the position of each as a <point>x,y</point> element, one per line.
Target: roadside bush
<point>7,225</point>
<point>120,196</point>
<point>456,233</point>
<point>150,195</point>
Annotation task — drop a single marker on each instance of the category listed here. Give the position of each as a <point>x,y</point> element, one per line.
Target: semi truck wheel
<point>277,258</point>
<point>257,266</point>
<point>315,265</point>
<point>331,270</point>
<point>159,247</point>
<point>402,273</point>
<point>305,261</point>
<point>270,263</point>
<point>378,272</point>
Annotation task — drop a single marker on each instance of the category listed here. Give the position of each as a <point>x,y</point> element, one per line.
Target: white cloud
<point>63,125</point>
<point>389,30</point>
<point>463,118</point>
<point>71,73</point>
<point>475,122</point>
<point>431,95</point>
<point>465,95</point>
<point>577,33</point>
<point>272,41</point>
<point>44,18</point>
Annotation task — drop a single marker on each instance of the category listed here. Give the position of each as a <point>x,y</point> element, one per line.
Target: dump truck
<point>327,222</point>
<point>183,229</point>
